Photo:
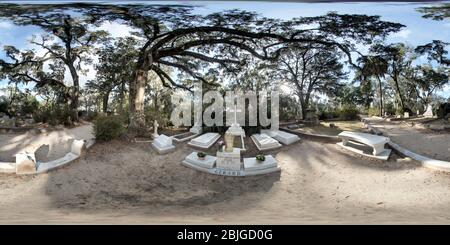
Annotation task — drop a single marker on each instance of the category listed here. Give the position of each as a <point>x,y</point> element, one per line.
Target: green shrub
<point>53,115</point>
<point>4,105</point>
<point>373,111</point>
<point>29,105</point>
<point>399,111</point>
<point>329,113</point>
<point>260,158</point>
<point>389,108</point>
<point>91,116</point>
<point>108,127</point>
<point>348,113</point>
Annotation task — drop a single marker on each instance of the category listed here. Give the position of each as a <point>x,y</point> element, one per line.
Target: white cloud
<point>402,34</point>
<point>6,25</point>
<point>116,29</point>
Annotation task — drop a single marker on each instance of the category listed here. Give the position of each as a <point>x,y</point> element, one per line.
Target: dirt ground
<point>121,182</point>
<point>411,135</point>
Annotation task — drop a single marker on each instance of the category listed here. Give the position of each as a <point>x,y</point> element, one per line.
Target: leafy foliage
<point>107,128</point>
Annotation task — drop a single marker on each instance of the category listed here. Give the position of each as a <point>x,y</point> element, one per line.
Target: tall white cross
<point>235,114</point>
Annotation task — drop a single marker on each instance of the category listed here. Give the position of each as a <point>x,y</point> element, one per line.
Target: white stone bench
<point>254,167</point>
<point>163,144</point>
<point>375,141</point>
<point>204,141</point>
<point>265,142</point>
<point>283,137</point>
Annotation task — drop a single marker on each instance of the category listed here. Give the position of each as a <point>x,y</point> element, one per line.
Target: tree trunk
<point>75,93</point>
<point>105,102</point>
<point>122,98</point>
<point>304,104</point>
<point>381,96</point>
<point>137,92</point>
<point>399,92</point>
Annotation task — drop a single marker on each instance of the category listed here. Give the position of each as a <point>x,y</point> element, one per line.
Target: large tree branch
<point>185,69</point>
<point>208,58</point>
<point>163,76</point>
<point>49,50</point>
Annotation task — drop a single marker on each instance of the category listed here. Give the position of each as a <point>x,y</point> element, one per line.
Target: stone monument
<point>229,158</point>
<point>155,129</point>
<point>429,111</point>
<point>235,129</point>
<point>311,117</point>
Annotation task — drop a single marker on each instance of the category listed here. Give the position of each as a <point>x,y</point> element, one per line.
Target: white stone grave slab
<point>204,141</point>
<point>264,142</point>
<point>283,137</point>
<point>254,167</point>
<point>184,136</point>
<point>193,160</point>
<point>163,144</point>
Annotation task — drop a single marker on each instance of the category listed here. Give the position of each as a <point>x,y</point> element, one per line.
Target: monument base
<point>229,160</point>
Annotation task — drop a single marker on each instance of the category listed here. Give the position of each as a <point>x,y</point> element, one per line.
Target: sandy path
<point>128,183</point>
<point>47,146</point>
<point>423,141</point>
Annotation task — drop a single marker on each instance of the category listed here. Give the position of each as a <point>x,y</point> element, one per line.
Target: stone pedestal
<point>229,160</point>
<point>311,117</point>
<point>25,163</point>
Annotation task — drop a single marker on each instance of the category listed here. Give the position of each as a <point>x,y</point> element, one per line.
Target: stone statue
<point>155,128</point>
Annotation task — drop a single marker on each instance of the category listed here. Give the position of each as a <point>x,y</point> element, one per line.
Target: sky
<point>418,30</point>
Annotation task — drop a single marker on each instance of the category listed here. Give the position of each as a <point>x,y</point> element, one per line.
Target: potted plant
<point>221,144</point>
<point>260,158</point>
<point>201,155</point>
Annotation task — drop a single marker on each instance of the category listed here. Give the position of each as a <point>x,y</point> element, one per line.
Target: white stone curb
<point>425,161</point>
<point>77,148</point>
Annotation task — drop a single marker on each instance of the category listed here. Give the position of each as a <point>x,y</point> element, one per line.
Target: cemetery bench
<point>375,141</point>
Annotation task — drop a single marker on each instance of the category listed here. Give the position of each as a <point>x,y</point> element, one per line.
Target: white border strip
<point>425,161</point>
